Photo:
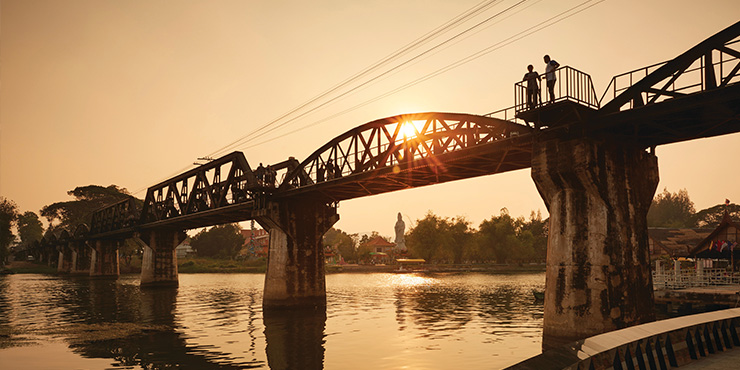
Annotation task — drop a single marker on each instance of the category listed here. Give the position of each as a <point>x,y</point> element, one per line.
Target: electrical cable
<point>395,55</point>
<point>542,25</point>
<point>385,73</point>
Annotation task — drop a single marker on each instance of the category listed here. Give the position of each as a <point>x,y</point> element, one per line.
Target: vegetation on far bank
<point>215,265</point>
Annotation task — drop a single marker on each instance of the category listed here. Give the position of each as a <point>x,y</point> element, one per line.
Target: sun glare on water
<point>411,280</point>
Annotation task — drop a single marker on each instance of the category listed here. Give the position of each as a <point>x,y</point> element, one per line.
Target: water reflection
<point>295,339</point>
<point>373,321</point>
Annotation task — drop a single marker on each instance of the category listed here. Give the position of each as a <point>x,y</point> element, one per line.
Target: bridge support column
<point>295,263</point>
<point>598,266</point>
<point>64,264</point>
<point>80,258</point>
<point>159,263</point>
<point>104,259</point>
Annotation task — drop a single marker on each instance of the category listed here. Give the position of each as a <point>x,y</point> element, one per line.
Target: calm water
<point>215,321</point>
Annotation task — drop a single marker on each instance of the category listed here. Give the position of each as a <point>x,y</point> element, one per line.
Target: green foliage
<point>88,199</point>
<point>209,265</point>
<point>426,237</point>
<point>538,228</point>
<point>711,217</point>
<point>341,242</point>
<point>502,238</point>
<point>674,210</point>
<point>438,239</point>
<point>222,241</point>
<point>30,228</point>
<point>498,238</point>
<point>8,215</point>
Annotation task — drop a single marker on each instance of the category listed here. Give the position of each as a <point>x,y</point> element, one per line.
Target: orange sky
<point>130,92</point>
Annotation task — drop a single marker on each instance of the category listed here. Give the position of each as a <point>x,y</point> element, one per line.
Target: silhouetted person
<point>550,67</point>
<point>533,87</point>
<point>337,171</point>
<point>270,176</point>
<point>329,169</point>
<point>320,173</point>
<point>260,174</point>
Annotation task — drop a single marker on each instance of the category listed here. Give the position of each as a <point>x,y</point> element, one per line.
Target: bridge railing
<point>507,114</point>
<point>570,85</point>
<point>656,345</point>
<point>717,68</point>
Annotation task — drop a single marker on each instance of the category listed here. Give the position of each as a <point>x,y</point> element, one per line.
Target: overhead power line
<point>461,18</point>
<point>394,56</point>
<point>518,36</point>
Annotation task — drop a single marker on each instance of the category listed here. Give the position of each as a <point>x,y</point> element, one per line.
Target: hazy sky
<point>132,92</point>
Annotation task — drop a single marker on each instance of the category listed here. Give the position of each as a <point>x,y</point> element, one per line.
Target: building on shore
<point>256,243</point>
<point>674,243</point>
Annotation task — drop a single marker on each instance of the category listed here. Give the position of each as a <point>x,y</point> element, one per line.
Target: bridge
<point>592,159</point>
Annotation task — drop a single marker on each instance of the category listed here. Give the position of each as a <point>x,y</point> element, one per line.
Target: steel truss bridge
<point>694,95</point>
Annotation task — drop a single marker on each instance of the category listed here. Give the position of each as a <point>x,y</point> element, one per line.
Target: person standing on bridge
<point>533,87</point>
<point>550,68</point>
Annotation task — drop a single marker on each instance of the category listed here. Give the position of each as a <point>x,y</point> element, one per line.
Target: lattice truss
<point>399,142</point>
<point>116,216</point>
<point>712,64</point>
<point>225,181</point>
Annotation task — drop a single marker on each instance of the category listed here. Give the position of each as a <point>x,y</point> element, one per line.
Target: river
<point>215,321</point>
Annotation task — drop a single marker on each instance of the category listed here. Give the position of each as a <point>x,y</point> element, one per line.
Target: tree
<point>460,238</point>
<point>30,228</point>
<point>426,238</point>
<point>538,229</point>
<point>222,241</point>
<point>711,217</point>
<point>674,210</point>
<point>341,242</point>
<point>87,200</point>
<point>8,215</point>
<point>499,237</point>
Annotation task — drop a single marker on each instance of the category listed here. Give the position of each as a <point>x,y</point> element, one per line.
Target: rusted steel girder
<point>201,189</point>
<point>408,151</point>
<point>661,82</point>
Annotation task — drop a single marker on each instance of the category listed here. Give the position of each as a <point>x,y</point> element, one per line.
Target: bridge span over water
<point>592,159</point>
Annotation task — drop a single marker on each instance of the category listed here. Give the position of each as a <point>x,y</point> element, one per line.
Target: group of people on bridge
<point>331,171</point>
<point>532,78</point>
<point>266,176</point>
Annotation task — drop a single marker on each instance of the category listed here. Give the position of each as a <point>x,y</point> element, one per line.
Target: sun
<point>409,129</point>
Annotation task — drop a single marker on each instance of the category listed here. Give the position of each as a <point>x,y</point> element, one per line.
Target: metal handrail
<point>570,85</point>
<point>507,114</point>
<point>696,85</point>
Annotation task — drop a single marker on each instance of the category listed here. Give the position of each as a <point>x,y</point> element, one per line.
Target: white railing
<point>669,279</point>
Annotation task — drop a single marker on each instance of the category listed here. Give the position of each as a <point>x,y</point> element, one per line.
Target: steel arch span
<point>407,151</point>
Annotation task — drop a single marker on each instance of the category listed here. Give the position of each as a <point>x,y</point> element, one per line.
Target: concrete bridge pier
<point>64,264</point>
<point>159,262</point>
<point>295,264</point>
<point>104,258</point>
<point>80,258</point>
<point>598,267</point>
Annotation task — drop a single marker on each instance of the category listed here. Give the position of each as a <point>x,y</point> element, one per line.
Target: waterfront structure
<point>674,243</point>
<point>593,162</point>
<point>256,243</point>
<point>381,250</point>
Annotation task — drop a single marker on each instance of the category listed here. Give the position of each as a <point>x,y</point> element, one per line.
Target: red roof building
<point>256,243</point>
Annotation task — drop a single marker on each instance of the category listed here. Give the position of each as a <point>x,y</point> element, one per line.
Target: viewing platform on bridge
<point>574,100</point>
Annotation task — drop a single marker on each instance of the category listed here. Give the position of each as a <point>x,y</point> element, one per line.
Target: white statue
<point>400,229</point>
